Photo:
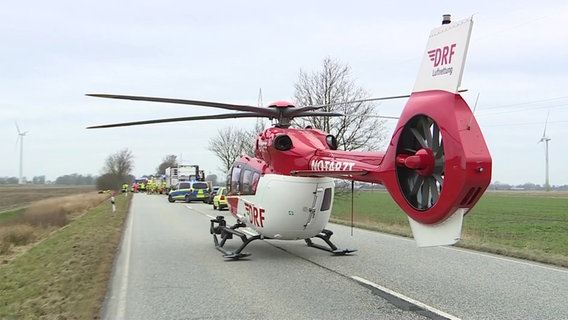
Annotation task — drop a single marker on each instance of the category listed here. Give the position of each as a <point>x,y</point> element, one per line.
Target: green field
<point>520,224</point>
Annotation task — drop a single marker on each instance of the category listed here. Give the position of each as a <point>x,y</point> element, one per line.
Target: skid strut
<point>325,235</point>
<point>220,229</point>
<point>227,233</point>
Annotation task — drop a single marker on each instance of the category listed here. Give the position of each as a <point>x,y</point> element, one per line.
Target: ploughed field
<point>18,196</point>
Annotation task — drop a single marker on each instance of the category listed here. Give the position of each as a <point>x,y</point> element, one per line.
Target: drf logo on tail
<point>442,56</point>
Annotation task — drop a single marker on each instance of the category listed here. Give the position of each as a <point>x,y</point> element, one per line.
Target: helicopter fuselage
<point>285,207</point>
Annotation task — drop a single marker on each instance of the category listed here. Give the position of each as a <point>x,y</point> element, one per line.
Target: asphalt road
<point>168,268</point>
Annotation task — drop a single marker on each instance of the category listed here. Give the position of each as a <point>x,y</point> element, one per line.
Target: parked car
<point>220,199</point>
<point>212,194</point>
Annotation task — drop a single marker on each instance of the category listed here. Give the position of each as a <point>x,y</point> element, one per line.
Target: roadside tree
<point>168,161</point>
<point>230,143</point>
<point>360,128</point>
<point>116,171</point>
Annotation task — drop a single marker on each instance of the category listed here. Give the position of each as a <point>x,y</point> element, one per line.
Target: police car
<point>188,191</point>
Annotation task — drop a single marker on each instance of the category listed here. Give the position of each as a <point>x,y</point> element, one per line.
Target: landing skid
<point>219,227</point>
<point>325,235</point>
<point>227,233</point>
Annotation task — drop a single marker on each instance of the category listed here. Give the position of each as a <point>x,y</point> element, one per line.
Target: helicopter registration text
<point>255,214</point>
<point>325,165</point>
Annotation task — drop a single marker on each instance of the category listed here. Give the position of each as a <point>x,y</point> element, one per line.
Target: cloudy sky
<point>54,52</point>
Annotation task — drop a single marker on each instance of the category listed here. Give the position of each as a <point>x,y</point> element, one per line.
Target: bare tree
<point>117,169</point>
<point>360,128</point>
<point>230,143</point>
<point>168,161</point>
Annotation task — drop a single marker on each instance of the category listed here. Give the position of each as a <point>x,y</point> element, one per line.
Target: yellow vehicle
<point>220,199</point>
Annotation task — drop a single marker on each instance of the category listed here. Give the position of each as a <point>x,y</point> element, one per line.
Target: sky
<point>54,52</point>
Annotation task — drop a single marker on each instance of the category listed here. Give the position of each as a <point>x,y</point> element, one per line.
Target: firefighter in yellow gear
<point>149,187</point>
<point>163,189</point>
<point>125,188</point>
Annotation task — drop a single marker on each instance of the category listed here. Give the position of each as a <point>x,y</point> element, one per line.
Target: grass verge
<point>66,275</point>
<point>532,226</point>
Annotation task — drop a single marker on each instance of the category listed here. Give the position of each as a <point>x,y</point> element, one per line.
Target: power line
<point>486,113</point>
<point>526,102</point>
<point>522,124</point>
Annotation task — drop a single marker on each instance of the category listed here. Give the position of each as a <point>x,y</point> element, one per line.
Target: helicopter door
<point>321,201</point>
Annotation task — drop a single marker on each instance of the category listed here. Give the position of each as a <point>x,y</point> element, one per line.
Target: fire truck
<point>187,183</point>
<point>183,172</point>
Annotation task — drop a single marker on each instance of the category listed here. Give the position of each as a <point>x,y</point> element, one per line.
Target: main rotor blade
<point>368,100</point>
<point>262,111</point>
<point>210,117</point>
<point>308,108</point>
<point>358,101</point>
<point>315,114</point>
<point>377,116</point>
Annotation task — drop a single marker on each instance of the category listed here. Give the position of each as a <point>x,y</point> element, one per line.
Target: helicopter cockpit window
<point>235,180</point>
<point>243,180</point>
<point>255,178</point>
<point>247,182</point>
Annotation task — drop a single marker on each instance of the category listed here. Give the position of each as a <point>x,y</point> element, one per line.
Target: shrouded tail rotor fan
<point>420,162</point>
<point>439,161</point>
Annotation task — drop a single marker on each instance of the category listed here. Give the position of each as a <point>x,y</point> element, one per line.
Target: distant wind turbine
<point>545,139</point>
<point>20,139</point>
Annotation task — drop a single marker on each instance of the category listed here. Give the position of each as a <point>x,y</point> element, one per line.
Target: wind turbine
<point>545,139</point>
<point>20,139</point>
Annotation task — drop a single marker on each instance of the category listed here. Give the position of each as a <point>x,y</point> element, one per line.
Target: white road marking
<point>246,230</point>
<point>508,259</point>
<point>405,298</point>
<point>123,290</point>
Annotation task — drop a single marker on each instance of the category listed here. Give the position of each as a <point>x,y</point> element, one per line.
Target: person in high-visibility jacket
<point>125,188</point>
<point>149,187</point>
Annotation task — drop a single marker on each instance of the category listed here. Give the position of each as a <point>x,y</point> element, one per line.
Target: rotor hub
<point>422,161</point>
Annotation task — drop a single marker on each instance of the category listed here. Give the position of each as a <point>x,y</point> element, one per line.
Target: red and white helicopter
<point>436,167</point>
